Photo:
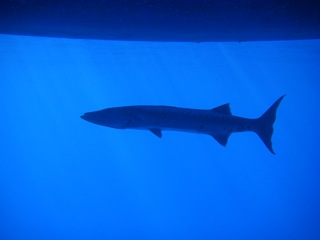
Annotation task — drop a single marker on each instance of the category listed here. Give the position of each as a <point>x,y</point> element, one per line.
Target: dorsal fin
<point>224,109</point>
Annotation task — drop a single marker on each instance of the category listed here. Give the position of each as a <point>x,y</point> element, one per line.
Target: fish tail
<point>264,124</point>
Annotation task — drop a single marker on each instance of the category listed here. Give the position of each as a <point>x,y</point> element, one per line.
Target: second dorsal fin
<point>224,109</point>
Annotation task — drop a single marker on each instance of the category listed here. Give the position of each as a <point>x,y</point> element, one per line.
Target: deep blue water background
<point>64,178</point>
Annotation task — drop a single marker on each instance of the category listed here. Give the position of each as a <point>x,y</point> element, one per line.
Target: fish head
<point>110,117</point>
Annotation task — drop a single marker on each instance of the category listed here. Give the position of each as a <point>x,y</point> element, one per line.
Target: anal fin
<point>222,139</point>
<point>156,131</point>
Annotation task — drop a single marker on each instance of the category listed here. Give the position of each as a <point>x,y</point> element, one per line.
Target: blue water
<point>64,178</point>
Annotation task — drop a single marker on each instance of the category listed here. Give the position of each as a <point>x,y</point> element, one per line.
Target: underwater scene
<point>63,177</point>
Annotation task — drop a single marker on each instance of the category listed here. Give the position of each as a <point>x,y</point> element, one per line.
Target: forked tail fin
<point>264,124</point>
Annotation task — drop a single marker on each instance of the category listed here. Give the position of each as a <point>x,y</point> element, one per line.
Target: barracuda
<point>217,122</point>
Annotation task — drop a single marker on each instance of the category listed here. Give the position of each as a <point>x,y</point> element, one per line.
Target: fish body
<point>217,122</point>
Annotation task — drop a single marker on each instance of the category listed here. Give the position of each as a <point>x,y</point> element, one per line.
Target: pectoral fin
<point>222,139</point>
<point>156,131</point>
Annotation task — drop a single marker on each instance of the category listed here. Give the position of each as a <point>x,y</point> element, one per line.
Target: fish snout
<point>85,117</point>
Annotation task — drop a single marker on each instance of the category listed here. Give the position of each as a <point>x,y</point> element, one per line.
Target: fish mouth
<point>84,117</point>
<point>89,117</point>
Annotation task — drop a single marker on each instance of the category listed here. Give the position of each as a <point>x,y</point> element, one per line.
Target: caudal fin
<point>264,124</point>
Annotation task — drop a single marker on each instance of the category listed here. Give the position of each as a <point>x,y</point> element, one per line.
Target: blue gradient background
<point>64,178</point>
